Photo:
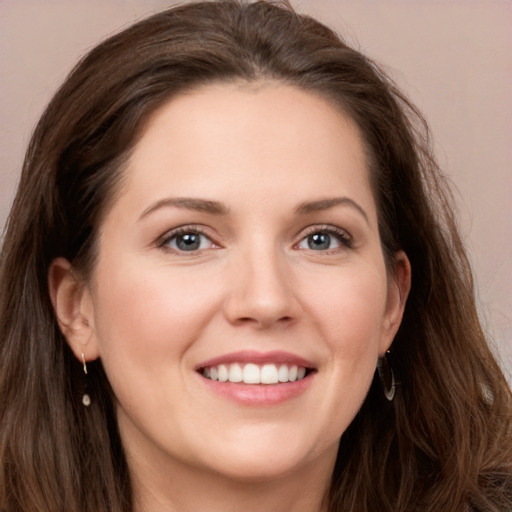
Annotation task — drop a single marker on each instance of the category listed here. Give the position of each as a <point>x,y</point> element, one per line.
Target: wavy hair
<point>445,443</point>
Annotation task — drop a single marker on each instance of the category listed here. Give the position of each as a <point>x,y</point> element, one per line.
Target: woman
<point>227,221</point>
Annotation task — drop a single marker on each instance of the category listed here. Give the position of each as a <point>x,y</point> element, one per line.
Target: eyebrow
<point>187,203</point>
<point>217,208</point>
<point>326,204</point>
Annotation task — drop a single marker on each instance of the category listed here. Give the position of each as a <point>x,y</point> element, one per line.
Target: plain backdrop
<point>453,59</point>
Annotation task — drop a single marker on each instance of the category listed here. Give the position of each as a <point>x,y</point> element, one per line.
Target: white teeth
<point>253,374</point>
<point>269,374</point>
<point>235,373</point>
<point>282,374</point>
<point>223,373</point>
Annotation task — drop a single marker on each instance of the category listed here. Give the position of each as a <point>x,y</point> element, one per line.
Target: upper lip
<point>253,356</point>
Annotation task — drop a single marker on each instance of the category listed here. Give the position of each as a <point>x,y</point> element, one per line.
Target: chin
<point>258,469</point>
<point>269,457</point>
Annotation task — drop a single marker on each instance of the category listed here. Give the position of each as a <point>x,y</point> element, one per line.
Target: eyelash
<point>166,239</point>
<point>339,234</point>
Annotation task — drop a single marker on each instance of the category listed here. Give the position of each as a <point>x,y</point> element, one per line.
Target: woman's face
<point>242,251</point>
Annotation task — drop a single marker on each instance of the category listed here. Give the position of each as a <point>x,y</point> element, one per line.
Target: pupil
<point>319,241</point>
<point>188,242</point>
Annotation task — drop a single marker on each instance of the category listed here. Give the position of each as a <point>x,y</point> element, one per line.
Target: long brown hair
<point>445,443</point>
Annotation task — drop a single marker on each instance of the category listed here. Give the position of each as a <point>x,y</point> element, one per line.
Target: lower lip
<point>259,394</point>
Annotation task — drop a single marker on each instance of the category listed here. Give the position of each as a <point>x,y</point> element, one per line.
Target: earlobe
<point>398,291</point>
<point>72,304</point>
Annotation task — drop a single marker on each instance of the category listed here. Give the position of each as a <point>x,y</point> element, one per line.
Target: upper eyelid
<point>329,228</point>
<point>345,238</point>
<point>186,228</point>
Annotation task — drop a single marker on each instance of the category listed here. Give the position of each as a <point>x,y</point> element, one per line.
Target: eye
<point>186,240</point>
<point>325,239</point>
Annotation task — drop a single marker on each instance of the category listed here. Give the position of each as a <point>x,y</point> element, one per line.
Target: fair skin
<point>278,256</point>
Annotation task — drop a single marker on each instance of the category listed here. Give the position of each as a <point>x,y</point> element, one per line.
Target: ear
<point>73,306</point>
<point>399,284</point>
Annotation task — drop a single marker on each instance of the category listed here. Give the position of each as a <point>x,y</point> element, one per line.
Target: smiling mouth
<point>251,373</point>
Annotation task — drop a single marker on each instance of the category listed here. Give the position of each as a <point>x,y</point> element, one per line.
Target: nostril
<point>264,322</point>
<point>246,319</point>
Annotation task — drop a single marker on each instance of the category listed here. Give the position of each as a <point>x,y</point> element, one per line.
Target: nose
<point>261,290</point>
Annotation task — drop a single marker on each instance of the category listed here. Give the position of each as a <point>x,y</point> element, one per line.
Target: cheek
<point>350,315</point>
<point>349,308</point>
<point>151,313</point>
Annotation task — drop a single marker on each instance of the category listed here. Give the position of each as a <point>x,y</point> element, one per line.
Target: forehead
<point>222,137</point>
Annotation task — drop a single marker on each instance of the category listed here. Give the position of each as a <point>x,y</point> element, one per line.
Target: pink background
<point>453,58</point>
